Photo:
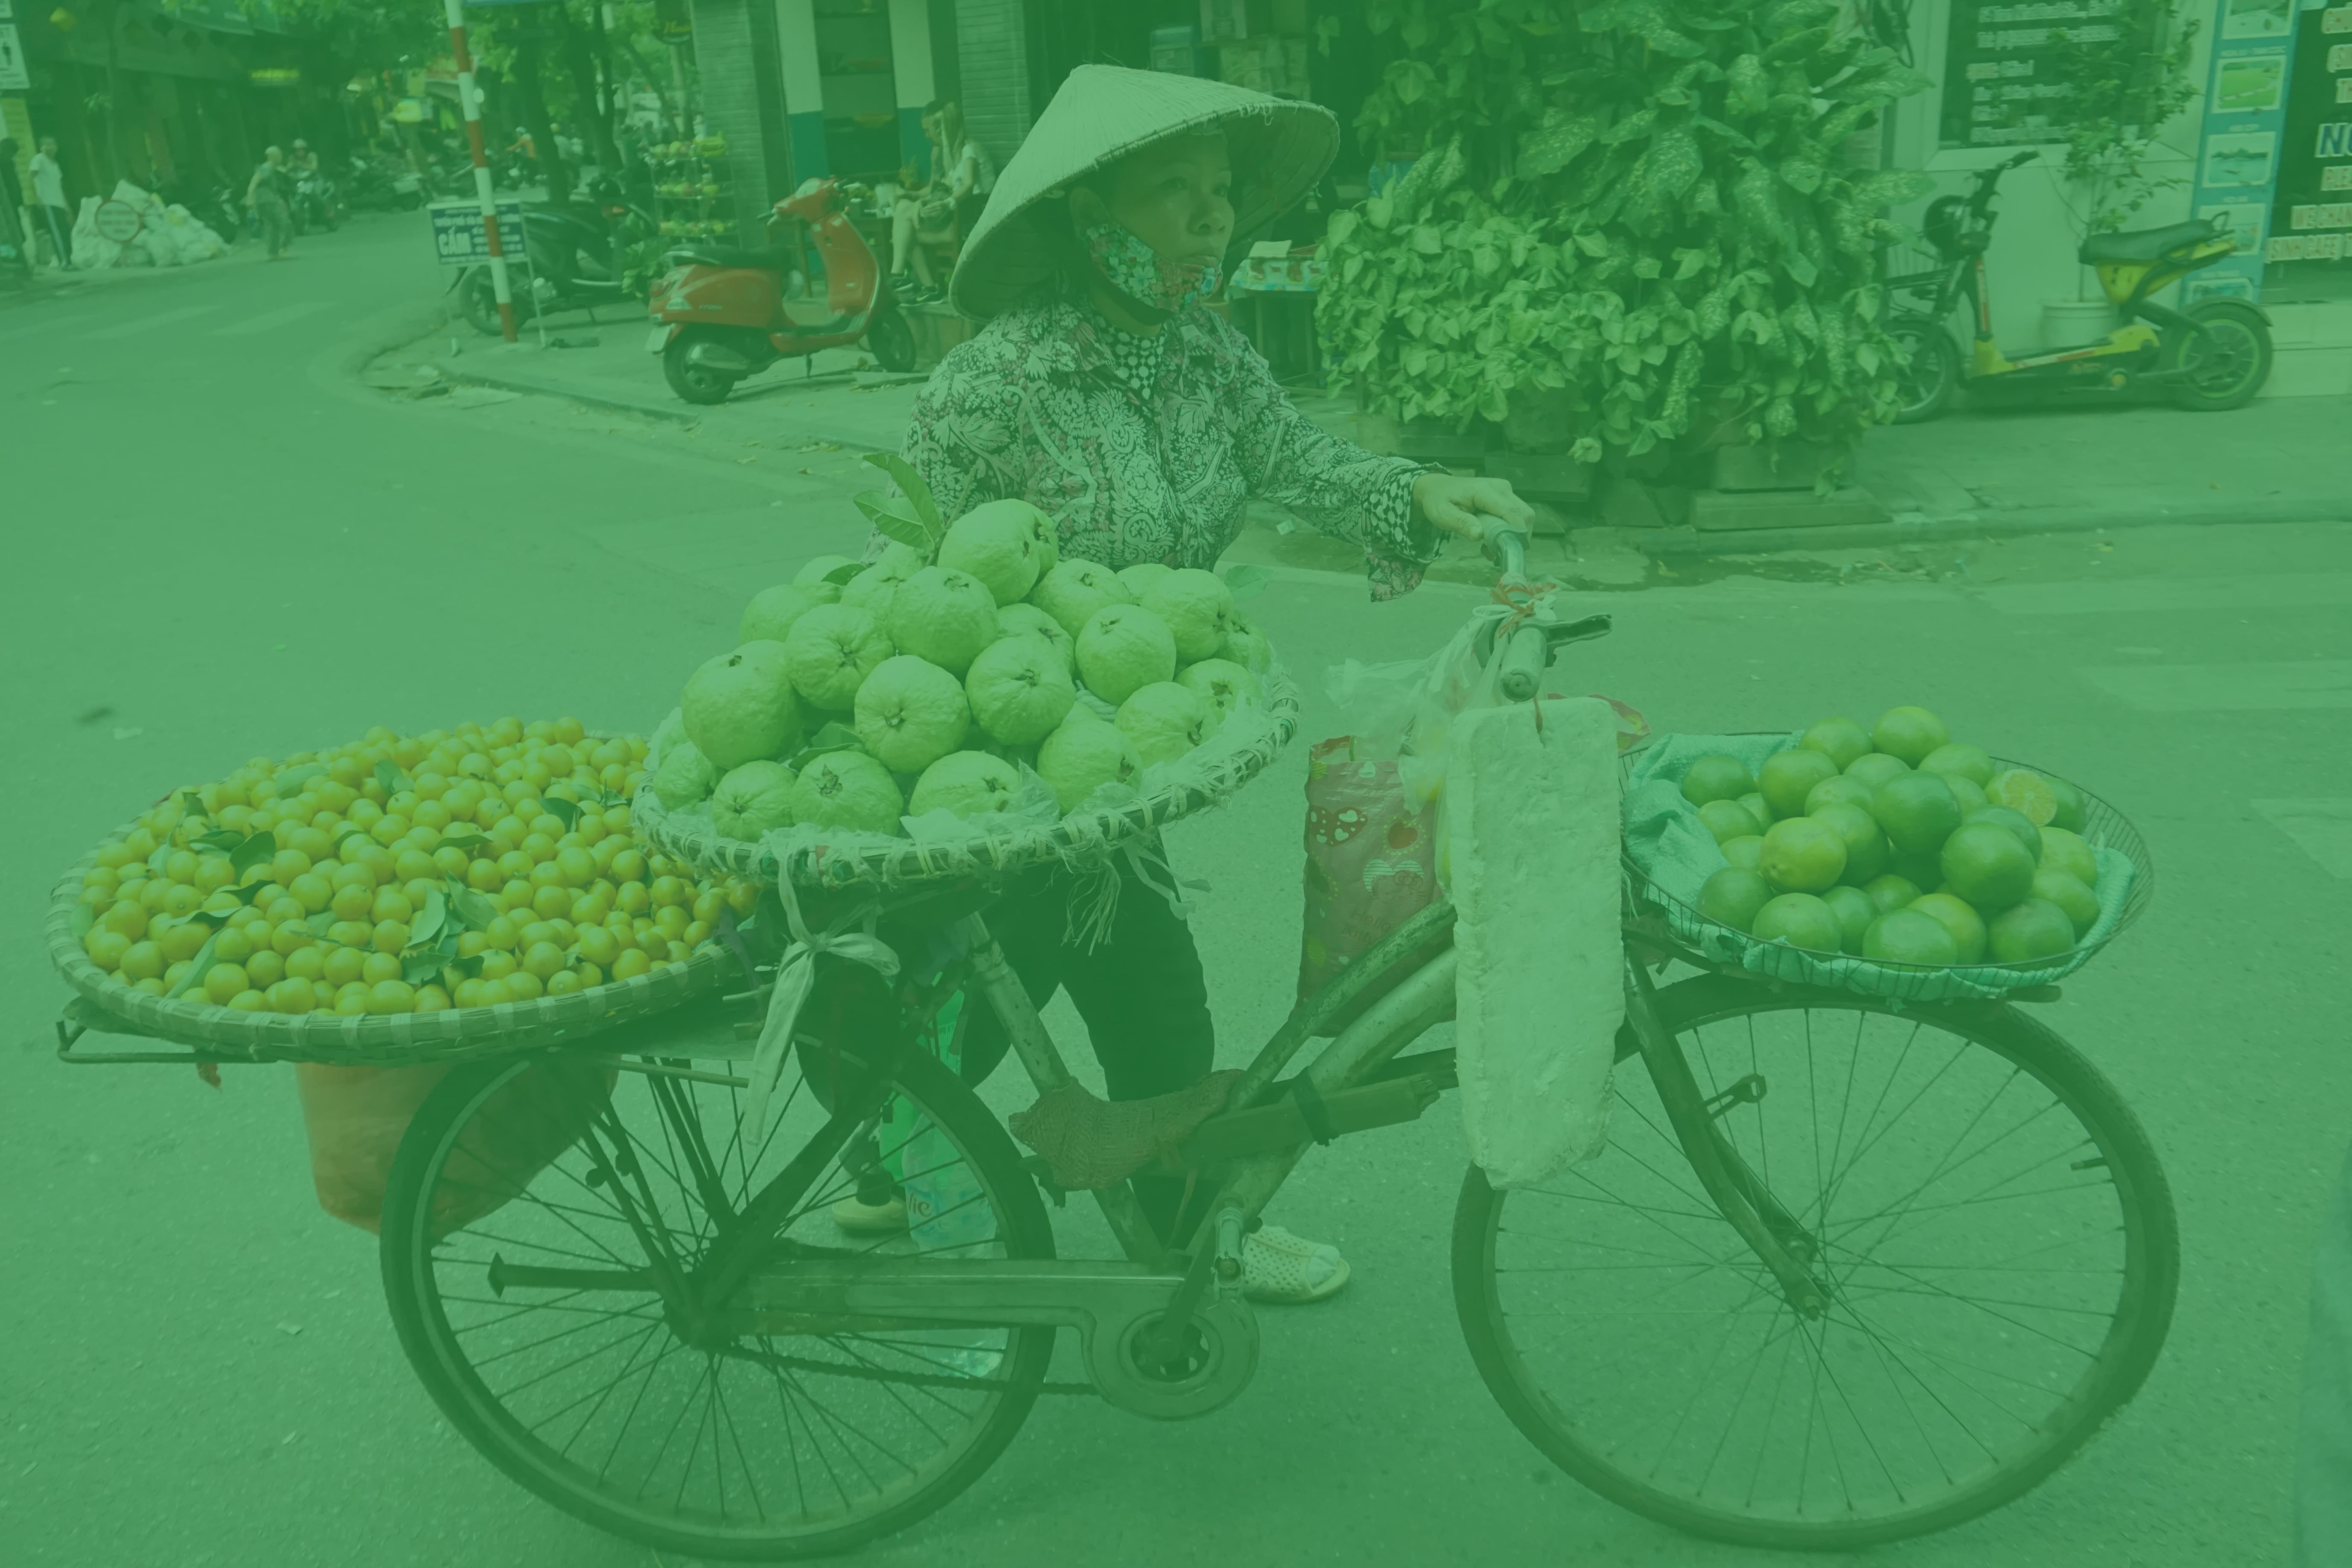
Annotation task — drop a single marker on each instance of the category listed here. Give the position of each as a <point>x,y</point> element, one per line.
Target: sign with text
<point>1998,78</point>
<point>13,73</point>
<point>459,238</point>
<point>2237,154</point>
<point>2309,254</point>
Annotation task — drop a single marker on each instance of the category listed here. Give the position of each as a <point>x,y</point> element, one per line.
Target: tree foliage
<point>2124,80</point>
<point>1642,204</point>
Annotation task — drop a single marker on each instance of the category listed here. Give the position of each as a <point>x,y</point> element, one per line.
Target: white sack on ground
<point>1535,887</point>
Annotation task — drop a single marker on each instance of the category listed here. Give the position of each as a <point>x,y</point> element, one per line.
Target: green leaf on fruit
<point>218,843</point>
<point>462,839</point>
<point>416,968</point>
<point>566,812</point>
<point>842,573</point>
<point>389,774</point>
<point>291,781</point>
<point>429,923</point>
<point>199,967</point>
<point>475,908</point>
<point>320,924</point>
<point>882,512</point>
<point>255,851</point>
<point>911,485</point>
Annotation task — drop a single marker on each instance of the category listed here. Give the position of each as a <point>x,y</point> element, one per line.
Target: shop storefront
<point>2263,144</point>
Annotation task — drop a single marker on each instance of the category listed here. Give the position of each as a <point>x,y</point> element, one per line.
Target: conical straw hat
<point>1101,114</point>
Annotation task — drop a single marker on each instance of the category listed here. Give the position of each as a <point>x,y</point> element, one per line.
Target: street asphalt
<point>223,543</point>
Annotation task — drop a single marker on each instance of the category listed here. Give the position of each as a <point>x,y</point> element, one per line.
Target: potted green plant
<point>1635,210</point>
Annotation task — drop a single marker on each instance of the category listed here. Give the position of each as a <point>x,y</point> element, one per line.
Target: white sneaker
<point>1278,1267</point>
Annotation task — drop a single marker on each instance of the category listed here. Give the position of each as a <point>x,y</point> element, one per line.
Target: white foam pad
<point>1540,980</point>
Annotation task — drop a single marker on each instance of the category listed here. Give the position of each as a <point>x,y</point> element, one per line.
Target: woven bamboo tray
<point>400,1039</point>
<point>1078,838</point>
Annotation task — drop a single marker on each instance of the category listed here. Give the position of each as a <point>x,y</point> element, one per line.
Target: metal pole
<point>469,98</point>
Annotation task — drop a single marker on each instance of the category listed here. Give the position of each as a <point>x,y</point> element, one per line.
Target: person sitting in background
<point>942,212</point>
<point>302,161</point>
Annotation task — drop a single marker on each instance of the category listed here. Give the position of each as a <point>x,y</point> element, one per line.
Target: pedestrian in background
<point>267,194</point>
<point>49,194</point>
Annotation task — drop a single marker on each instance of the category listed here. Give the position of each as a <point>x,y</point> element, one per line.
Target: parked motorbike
<point>575,257</point>
<point>726,313</point>
<point>317,204</point>
<point>379,184</point>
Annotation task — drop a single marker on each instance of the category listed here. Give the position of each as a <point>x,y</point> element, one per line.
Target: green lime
<point>2016,822</point>
<point>1910,734</point>
<point>1802,856</point>
<point>1801,919</point>
<point>1966,791</point>
<point>1787,777</point>
<point>1732,897</point>
<point>1840,740</point>
<point>1718,777</point>
<point>1728,819</point>
<point>1969,762</point>
<point>1843,790</point>
<point>1891,892</point>
<point>1745,853</point>
<point>2067,804</point>
<point>1866,846</point>
<point>2071,894</point>
<point>2034,929</point>
<point>1916,812</point>
<point>1907,936</point>
<point>2025,792</point>
<point>1876,768</point>
<point>1854,911</point>
<point>2068,853</point>
<point>1984,863</point>
<point>1967,926</point>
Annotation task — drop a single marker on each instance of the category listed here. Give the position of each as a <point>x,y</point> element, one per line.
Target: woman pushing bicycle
<point>1103,391</point>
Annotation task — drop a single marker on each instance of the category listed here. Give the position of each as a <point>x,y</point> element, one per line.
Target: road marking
<point>2225,687</point>
<point>149,323</point>
<point>2322,828</point>
<point>2126,595</point>
<point>271,320</point>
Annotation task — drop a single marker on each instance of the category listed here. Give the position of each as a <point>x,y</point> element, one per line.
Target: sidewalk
<point>1971,474</point>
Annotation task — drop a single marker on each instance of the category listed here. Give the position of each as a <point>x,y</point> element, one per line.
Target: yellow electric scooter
<point>2214,355</point>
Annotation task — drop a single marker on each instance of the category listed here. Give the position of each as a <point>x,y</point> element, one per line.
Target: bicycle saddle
<point>2145,244</point>
<point>776,261</point>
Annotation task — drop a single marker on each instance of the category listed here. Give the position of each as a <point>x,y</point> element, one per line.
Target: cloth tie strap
<point>796,975</point>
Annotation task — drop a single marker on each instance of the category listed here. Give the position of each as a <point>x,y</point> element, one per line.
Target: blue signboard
<point>460,240</point>
<point>2238,156</point>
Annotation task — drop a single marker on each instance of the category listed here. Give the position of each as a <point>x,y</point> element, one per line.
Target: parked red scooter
<point>729,314</point>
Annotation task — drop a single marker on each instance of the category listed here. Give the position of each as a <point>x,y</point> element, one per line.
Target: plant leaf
<point>567,811</point>
<point>428,925</point>
<point>389,774</point>
<point>463,838</point>
<point>835,737</point>
<point>218,842</point>
<point>475,908</point>
<point>911,485</point>
<point>198,966</point>
<point>842,574</point>
<point>253,852</point>
<point>417,967</point>
<point>320,924</point>
<point>896,525</point>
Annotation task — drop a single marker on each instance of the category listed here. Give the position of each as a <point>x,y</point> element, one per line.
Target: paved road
<point>222,545</point>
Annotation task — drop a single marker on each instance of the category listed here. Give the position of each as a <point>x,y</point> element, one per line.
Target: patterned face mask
<point>1130,265</point>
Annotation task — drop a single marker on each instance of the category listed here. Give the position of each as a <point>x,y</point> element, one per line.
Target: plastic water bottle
<point>949,1215</point>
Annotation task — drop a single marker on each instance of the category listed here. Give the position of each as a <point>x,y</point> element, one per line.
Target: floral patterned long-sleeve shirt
<point>1150,448</point>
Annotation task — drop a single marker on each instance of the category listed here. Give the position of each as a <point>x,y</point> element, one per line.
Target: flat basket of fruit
<point>1887,861</point>
<point>394,902</point>
<point>965,704</point>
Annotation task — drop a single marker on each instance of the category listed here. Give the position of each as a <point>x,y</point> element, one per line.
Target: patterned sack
<point>1371,864</point>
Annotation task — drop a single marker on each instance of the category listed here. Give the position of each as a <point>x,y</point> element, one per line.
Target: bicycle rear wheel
<point>599,1393</point>
<point>1995,1233</point>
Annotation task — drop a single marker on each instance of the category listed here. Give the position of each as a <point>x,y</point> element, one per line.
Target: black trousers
<point>1140,990</point>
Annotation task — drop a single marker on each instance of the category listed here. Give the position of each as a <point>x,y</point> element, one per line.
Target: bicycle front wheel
<point>535,1203</point>
<point>1994,1233</point>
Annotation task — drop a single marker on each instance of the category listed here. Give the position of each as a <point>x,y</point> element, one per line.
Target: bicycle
<point>1848,1270</point>
<point>2211,357</point>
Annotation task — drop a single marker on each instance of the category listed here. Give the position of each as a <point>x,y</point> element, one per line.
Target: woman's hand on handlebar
<point>1458,506</point>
